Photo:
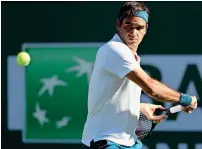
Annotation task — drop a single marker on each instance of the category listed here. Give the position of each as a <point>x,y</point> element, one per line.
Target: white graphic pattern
<point>63,122</point>
<point>40,115</point>
<point>49,84</point>
<point>83,67</point>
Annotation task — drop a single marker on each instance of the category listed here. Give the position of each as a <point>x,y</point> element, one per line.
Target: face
<point>132,31</point>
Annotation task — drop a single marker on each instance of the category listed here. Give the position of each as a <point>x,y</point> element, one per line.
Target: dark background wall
<point>174,28</point>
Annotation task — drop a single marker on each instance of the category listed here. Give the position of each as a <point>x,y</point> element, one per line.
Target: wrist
<point>185,100</point>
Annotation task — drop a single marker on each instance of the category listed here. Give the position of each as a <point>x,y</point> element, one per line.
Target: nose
<point>134,32</point>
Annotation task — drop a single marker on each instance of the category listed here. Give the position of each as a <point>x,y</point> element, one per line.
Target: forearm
<point>156,89</point>
<point>162,92</point>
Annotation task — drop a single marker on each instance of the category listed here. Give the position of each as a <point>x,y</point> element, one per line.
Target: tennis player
<point>116,84</point>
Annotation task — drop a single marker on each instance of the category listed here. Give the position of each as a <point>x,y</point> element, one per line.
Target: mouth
<point>132,38</point>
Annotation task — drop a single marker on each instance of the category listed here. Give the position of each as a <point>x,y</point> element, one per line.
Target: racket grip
<point>171,110</point>
<point>176,109</point>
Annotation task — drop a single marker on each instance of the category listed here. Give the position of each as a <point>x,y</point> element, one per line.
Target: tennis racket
<point>146,126</point>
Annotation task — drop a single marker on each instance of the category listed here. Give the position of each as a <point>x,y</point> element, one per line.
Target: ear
<point>118,25</point>
<point>145,32</point>
<point>146,28</point>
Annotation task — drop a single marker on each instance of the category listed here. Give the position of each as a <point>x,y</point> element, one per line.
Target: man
<point>116,84</point>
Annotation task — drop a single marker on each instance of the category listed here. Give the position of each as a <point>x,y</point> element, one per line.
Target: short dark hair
<point>129,9</point>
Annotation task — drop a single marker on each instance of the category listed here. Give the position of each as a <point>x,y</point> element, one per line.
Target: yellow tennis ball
<point>23,58</point>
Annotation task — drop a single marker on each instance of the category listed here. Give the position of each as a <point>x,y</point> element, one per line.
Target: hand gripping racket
<point>146,126</point>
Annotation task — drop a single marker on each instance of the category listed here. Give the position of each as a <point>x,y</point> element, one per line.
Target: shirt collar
<point>117,38</point>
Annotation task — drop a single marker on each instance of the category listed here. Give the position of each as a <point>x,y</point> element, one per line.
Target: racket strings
<point>144,127</point>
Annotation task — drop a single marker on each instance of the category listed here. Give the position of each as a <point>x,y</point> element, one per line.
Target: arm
<point>121,62</point>
<point>159,91</point>
<point>152,87</point>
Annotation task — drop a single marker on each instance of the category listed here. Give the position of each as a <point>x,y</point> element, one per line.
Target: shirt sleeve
<point>120,60</point>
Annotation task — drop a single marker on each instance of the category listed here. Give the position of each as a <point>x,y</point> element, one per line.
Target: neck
<point>133,49</point>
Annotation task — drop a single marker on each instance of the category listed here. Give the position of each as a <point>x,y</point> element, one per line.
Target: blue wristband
<point>185,100</point>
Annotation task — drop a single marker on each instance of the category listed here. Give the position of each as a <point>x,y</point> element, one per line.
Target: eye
<point>128,26</point>
<point>140,27</point>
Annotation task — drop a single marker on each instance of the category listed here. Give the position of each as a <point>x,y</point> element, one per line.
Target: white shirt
<point>113,100</point>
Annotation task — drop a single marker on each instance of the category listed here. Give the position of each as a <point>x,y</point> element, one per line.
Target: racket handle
<point>171,110</point>
<point>175,109</point>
